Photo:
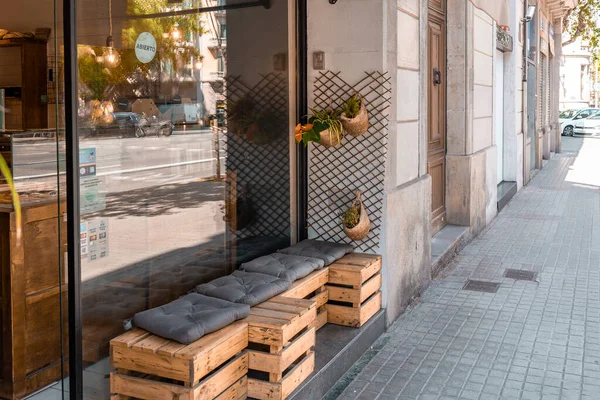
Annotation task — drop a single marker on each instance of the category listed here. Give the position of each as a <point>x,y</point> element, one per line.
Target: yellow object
<point>15,196</point>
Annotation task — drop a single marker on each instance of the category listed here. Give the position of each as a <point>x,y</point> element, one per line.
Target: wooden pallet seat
<point>312,287</point>
<point>154,368</point>
<point>281,336</point>
<point>353,288</point>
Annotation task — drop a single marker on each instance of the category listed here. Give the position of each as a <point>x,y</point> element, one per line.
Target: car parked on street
<point>588,126</point>
<point>127,124</point>
<point>569,118</point>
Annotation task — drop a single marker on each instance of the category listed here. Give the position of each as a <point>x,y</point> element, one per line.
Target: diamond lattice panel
<point>335,174</point>
<point>262,169</point>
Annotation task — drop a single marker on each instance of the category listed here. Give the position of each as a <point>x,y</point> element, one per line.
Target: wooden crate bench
<point>153,368</point>
<point>281,336</point>
<point>353,289</point>
<point>312,287</point>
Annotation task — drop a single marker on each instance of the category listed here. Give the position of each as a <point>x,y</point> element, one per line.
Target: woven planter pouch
<point>358,125</point>
<point>361,230</point>
<point>330,139</point>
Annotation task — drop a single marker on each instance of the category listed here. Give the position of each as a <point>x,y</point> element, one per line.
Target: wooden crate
<point>153,368</point>
<point>353,289</point>
<point>34,332</point>
<point>312,288</point>
<point>281,335</point>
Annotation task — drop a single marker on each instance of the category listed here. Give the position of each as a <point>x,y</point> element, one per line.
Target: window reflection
<point>184,150</point>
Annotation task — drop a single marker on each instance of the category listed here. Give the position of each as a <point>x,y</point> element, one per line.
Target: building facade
<point>576,80</point>
<point>164,150</point>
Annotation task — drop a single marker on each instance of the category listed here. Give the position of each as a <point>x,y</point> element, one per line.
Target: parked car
<point>588,126</point>
<point>569,118</point>
<point>127,124</point>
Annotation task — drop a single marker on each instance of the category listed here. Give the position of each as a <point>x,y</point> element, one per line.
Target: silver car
<point>569,118</point>
<point>589,126</point>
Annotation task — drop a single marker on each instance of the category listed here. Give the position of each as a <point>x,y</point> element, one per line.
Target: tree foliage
<point>174,51</point>
<point>581,22</point>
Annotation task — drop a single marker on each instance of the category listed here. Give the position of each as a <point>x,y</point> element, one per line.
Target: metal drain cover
<point>520,275</point>
<point>481,286</point>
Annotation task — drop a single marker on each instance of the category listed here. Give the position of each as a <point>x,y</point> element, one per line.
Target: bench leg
<point>275,377</point>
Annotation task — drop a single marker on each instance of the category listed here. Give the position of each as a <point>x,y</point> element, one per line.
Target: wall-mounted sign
<point>145,47</point>
<point>87,162</point>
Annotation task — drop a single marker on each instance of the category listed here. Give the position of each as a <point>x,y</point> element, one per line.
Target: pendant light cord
<point>110,27</point>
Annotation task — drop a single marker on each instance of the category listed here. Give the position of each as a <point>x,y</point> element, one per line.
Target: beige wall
<point>483,94</point>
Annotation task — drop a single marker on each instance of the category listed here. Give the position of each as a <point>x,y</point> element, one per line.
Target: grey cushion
<point>244,287</point>
<point>326,251</point>
<point>190,317</point>
<point>284,266</point>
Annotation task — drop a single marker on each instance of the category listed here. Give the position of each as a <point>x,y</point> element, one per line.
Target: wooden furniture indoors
<point>32,289</point>
<point>31,78</point>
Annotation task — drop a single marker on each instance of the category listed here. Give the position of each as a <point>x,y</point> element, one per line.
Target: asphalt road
<point>127,163</point>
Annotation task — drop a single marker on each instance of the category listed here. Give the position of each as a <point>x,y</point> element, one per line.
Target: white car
<point>588,126</point>
<point>569,118</point>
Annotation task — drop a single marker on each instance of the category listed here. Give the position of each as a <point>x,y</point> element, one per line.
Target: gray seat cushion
<point>326,251</point>
<point>284,266</point>
<point>244,287</point>
<point>190,317</point>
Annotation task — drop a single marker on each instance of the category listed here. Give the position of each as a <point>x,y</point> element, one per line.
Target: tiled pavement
<point>530,340</point>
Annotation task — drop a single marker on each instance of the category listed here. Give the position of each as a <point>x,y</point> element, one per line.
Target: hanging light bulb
<point>111,56</point>
<point>199,64</point>
<point>175,32</point>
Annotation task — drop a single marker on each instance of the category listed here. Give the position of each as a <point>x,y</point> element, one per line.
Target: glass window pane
<point>184,152</point>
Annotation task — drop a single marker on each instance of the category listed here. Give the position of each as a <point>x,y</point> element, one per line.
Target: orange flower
<point>300,129</point>
<point>299,133</point>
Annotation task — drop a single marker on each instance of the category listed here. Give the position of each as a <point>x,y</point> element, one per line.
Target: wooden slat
<point>356,317</point>
<point>150,344</point>
<point>170,348</point>
<point>237,391</point>
<point>163,366</point>
<point>359,259</point>
<point>305,286</point>
<point>226,376</point>
<point>298,324</point>
<point>297,375</point>
<point>212,359</point>
<point>124,385</point>
<point>268,305</point>
<point>321,320</point>
<point>350,295</point>
<point>321,298</point>
<point>129,338</point>
<point>220,383</point>
<point>277,363</point>
<point>207,343</point>
<point>288,300</point>
<point>272,314</point>
<point>257,320</point>
<point>345,276</point>
<point>270,337</point>
<point>262,390</point>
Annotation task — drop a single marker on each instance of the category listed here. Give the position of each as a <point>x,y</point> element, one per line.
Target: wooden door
<point>436,116</point>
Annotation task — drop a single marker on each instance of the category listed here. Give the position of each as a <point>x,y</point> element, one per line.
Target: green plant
<point>258,125</point>
<point>5,171</point>
<point>351,107</point>
<point>351,216</point>
<point>321,120</point>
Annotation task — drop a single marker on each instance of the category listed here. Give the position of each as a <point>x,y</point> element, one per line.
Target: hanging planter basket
<point>358,125</point>
<point>330,139</point>
<point>361,230</point>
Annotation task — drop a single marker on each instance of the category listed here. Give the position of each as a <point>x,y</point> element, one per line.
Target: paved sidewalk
<point>530,340</point>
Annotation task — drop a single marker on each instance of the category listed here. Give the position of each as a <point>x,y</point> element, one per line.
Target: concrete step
<point>445,245</point>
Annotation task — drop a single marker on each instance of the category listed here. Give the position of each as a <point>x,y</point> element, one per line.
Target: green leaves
<point>311,136</point>
<point>5,171</point>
